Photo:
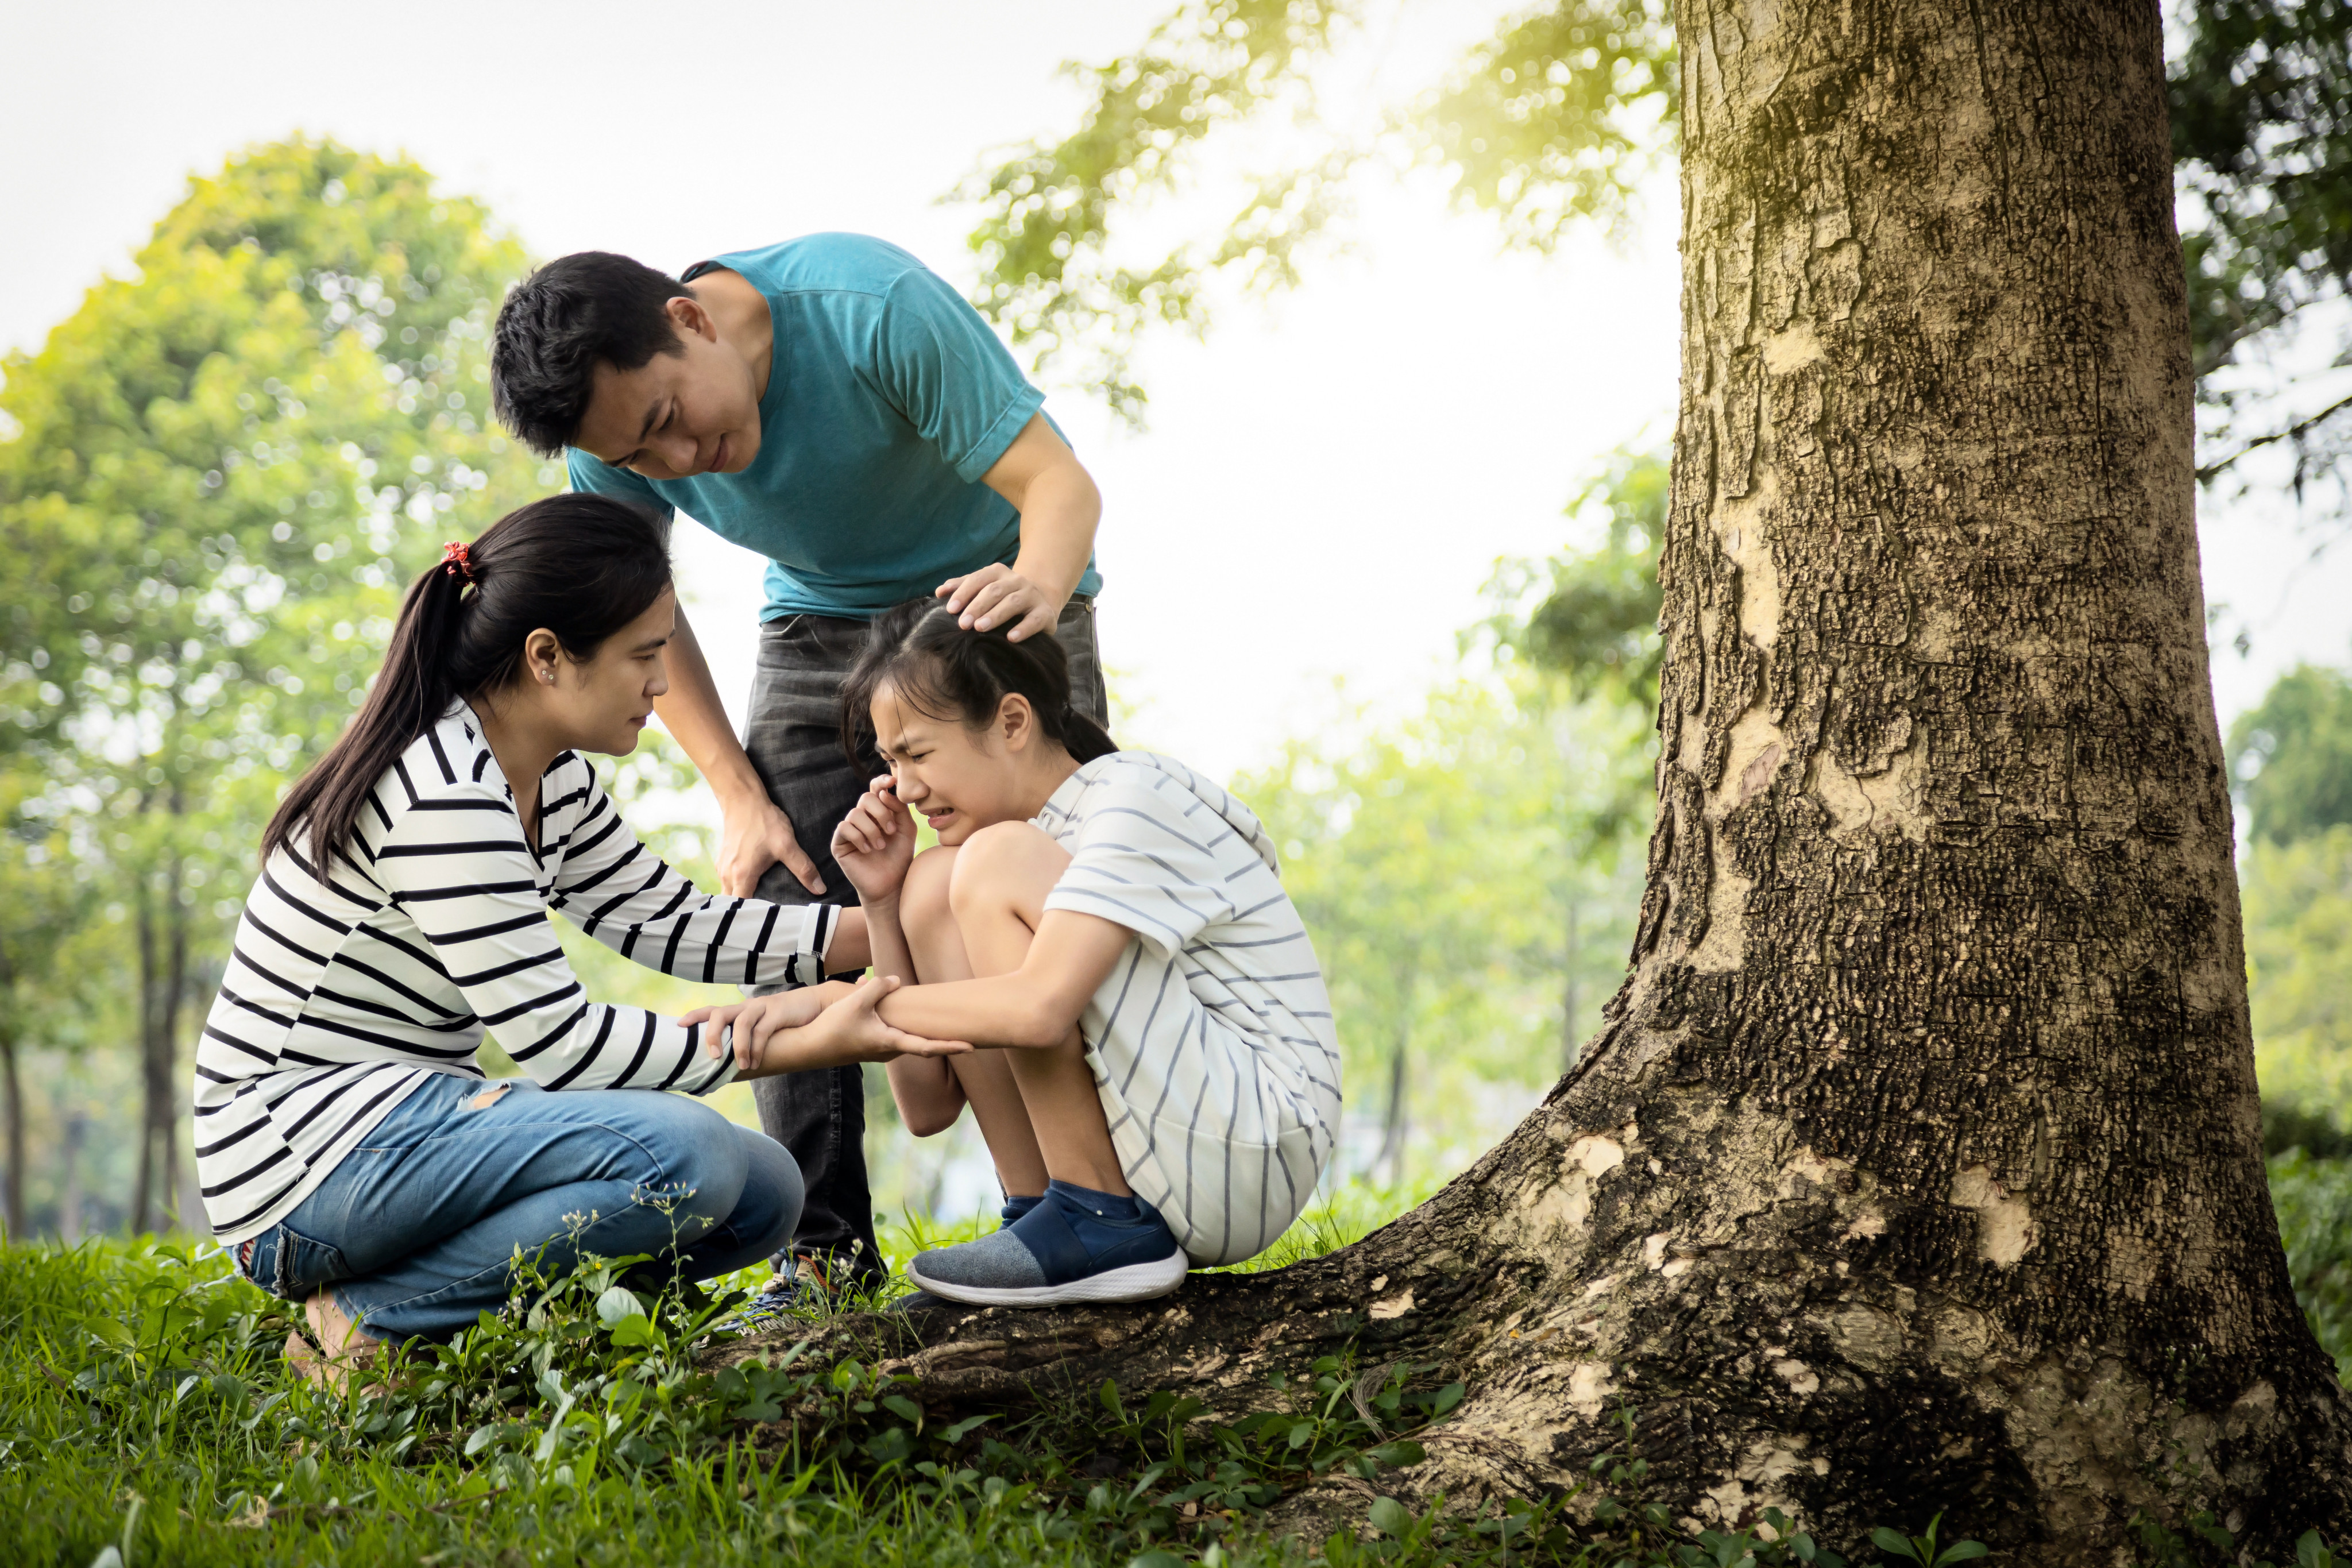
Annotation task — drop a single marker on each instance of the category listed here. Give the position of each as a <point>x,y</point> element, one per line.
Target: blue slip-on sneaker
<point>1074,1247</point>
<point>1016,1206</point>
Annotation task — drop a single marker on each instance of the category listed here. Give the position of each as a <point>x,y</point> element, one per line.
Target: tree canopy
<point>221,472</point>
<point>1555,119</point>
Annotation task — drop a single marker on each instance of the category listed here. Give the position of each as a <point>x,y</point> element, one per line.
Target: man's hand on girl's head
<point>997,595</point>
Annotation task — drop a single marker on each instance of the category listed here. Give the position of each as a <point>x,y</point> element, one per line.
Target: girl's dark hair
<point>943,671</point>
<point>583,566</point>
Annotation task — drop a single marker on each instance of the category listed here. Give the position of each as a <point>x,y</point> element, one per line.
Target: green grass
<point>146,1412</point>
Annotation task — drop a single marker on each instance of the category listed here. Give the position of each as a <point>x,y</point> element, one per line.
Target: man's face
<point>677,414</point>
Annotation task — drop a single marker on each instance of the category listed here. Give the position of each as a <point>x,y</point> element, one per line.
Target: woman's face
<point>601,704</point>
<point>961,779</point>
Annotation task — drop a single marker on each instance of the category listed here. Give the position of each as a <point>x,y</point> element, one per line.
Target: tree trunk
<point>162,987</point>
<point>12,1083</point>
<point>1916,1167</point>
<point>69,1225</point>
<point>1387,1166</point>
<point>143,1182</point>
<point>1572,997</point>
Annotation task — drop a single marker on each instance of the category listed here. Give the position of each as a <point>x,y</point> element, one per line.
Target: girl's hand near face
<point>849,1030</point>
<point>874,843</point>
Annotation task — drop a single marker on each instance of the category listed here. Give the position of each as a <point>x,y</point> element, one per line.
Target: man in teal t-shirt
<point>832,404</point>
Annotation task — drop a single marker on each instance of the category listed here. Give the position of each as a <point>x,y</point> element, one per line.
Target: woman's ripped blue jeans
<point>415,1232</point>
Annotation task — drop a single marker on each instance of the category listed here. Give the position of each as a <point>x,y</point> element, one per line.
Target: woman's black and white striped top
<point>350,984</point>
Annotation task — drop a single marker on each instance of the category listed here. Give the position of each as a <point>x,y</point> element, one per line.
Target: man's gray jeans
<point>794,742</point>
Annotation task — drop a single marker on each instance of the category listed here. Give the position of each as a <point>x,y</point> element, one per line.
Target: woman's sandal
<point>328,1347</point>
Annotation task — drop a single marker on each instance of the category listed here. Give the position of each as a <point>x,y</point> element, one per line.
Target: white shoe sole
<point>1136,1282</point>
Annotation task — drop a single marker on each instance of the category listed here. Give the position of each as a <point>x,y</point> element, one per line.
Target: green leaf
<point>1107,1394</point>
<point>1447,1398</point>
<point>617,1304</point>
<point>1401,1453</point>
<point>1301,1434</point>
<point>1963,1552</point>
<point>636,1330</point>
<point>2312,1553</point>
<point>964,1428</point>
<point>904,1408</point>
<point>113,1331</point>
<point>1156,1559</point>
<point>1390,1517</point>
<point>1886,1540</point>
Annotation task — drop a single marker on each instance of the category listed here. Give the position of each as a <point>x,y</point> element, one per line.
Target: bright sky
<point>1325,483</point>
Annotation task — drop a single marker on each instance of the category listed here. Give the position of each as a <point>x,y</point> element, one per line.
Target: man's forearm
<point>696,720</point>
<point>1058,516</point>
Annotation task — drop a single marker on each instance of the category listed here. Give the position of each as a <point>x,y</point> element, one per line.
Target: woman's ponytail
<point>582,567</point>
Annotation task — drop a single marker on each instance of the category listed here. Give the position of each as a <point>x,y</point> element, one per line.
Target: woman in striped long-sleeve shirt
<point>349,1147</point>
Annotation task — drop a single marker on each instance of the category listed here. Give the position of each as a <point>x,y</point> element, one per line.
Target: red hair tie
<point>455,559</point>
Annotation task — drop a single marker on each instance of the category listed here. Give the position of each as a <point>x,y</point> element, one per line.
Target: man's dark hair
<point>558,323</point>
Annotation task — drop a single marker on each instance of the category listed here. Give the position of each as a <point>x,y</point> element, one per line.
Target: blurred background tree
<point>224,469</point>
<point>1469,873</point>
<point>2291,761</point>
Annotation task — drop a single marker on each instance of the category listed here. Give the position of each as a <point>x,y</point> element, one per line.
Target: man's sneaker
<point>1077,1246</point>
<point>776,1305</point>
<point>802,1283</point>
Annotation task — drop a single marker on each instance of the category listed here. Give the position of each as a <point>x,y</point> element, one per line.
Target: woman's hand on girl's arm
<point>849,1030</point>
<point>874,845</point>
<point>748,1019</point>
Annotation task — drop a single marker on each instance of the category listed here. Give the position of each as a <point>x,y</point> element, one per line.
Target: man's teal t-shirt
<point>888,398</point>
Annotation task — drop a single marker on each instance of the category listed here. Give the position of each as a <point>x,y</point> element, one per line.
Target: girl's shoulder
<point>1115,773</point>
<point>1188,805</point>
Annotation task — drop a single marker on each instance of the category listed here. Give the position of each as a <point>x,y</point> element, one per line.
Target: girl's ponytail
<point>948,672</point>
<point>582,567</point>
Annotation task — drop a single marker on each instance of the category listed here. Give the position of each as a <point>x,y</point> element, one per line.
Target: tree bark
<point>1917,1165</point>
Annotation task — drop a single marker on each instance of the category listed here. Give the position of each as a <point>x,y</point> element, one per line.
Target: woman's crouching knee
<point>699,1169</point>
<point>769,1209</point>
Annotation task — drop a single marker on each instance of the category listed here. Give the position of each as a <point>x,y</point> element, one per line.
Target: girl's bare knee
<point>1007,862</point>
<point>923,905</point>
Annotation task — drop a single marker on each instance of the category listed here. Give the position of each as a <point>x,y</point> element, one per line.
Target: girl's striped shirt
<point>350,983</point>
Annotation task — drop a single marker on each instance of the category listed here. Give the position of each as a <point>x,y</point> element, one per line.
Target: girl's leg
<point>997,892</point>
<point>1091,1238</point>
<point>937,949</point>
